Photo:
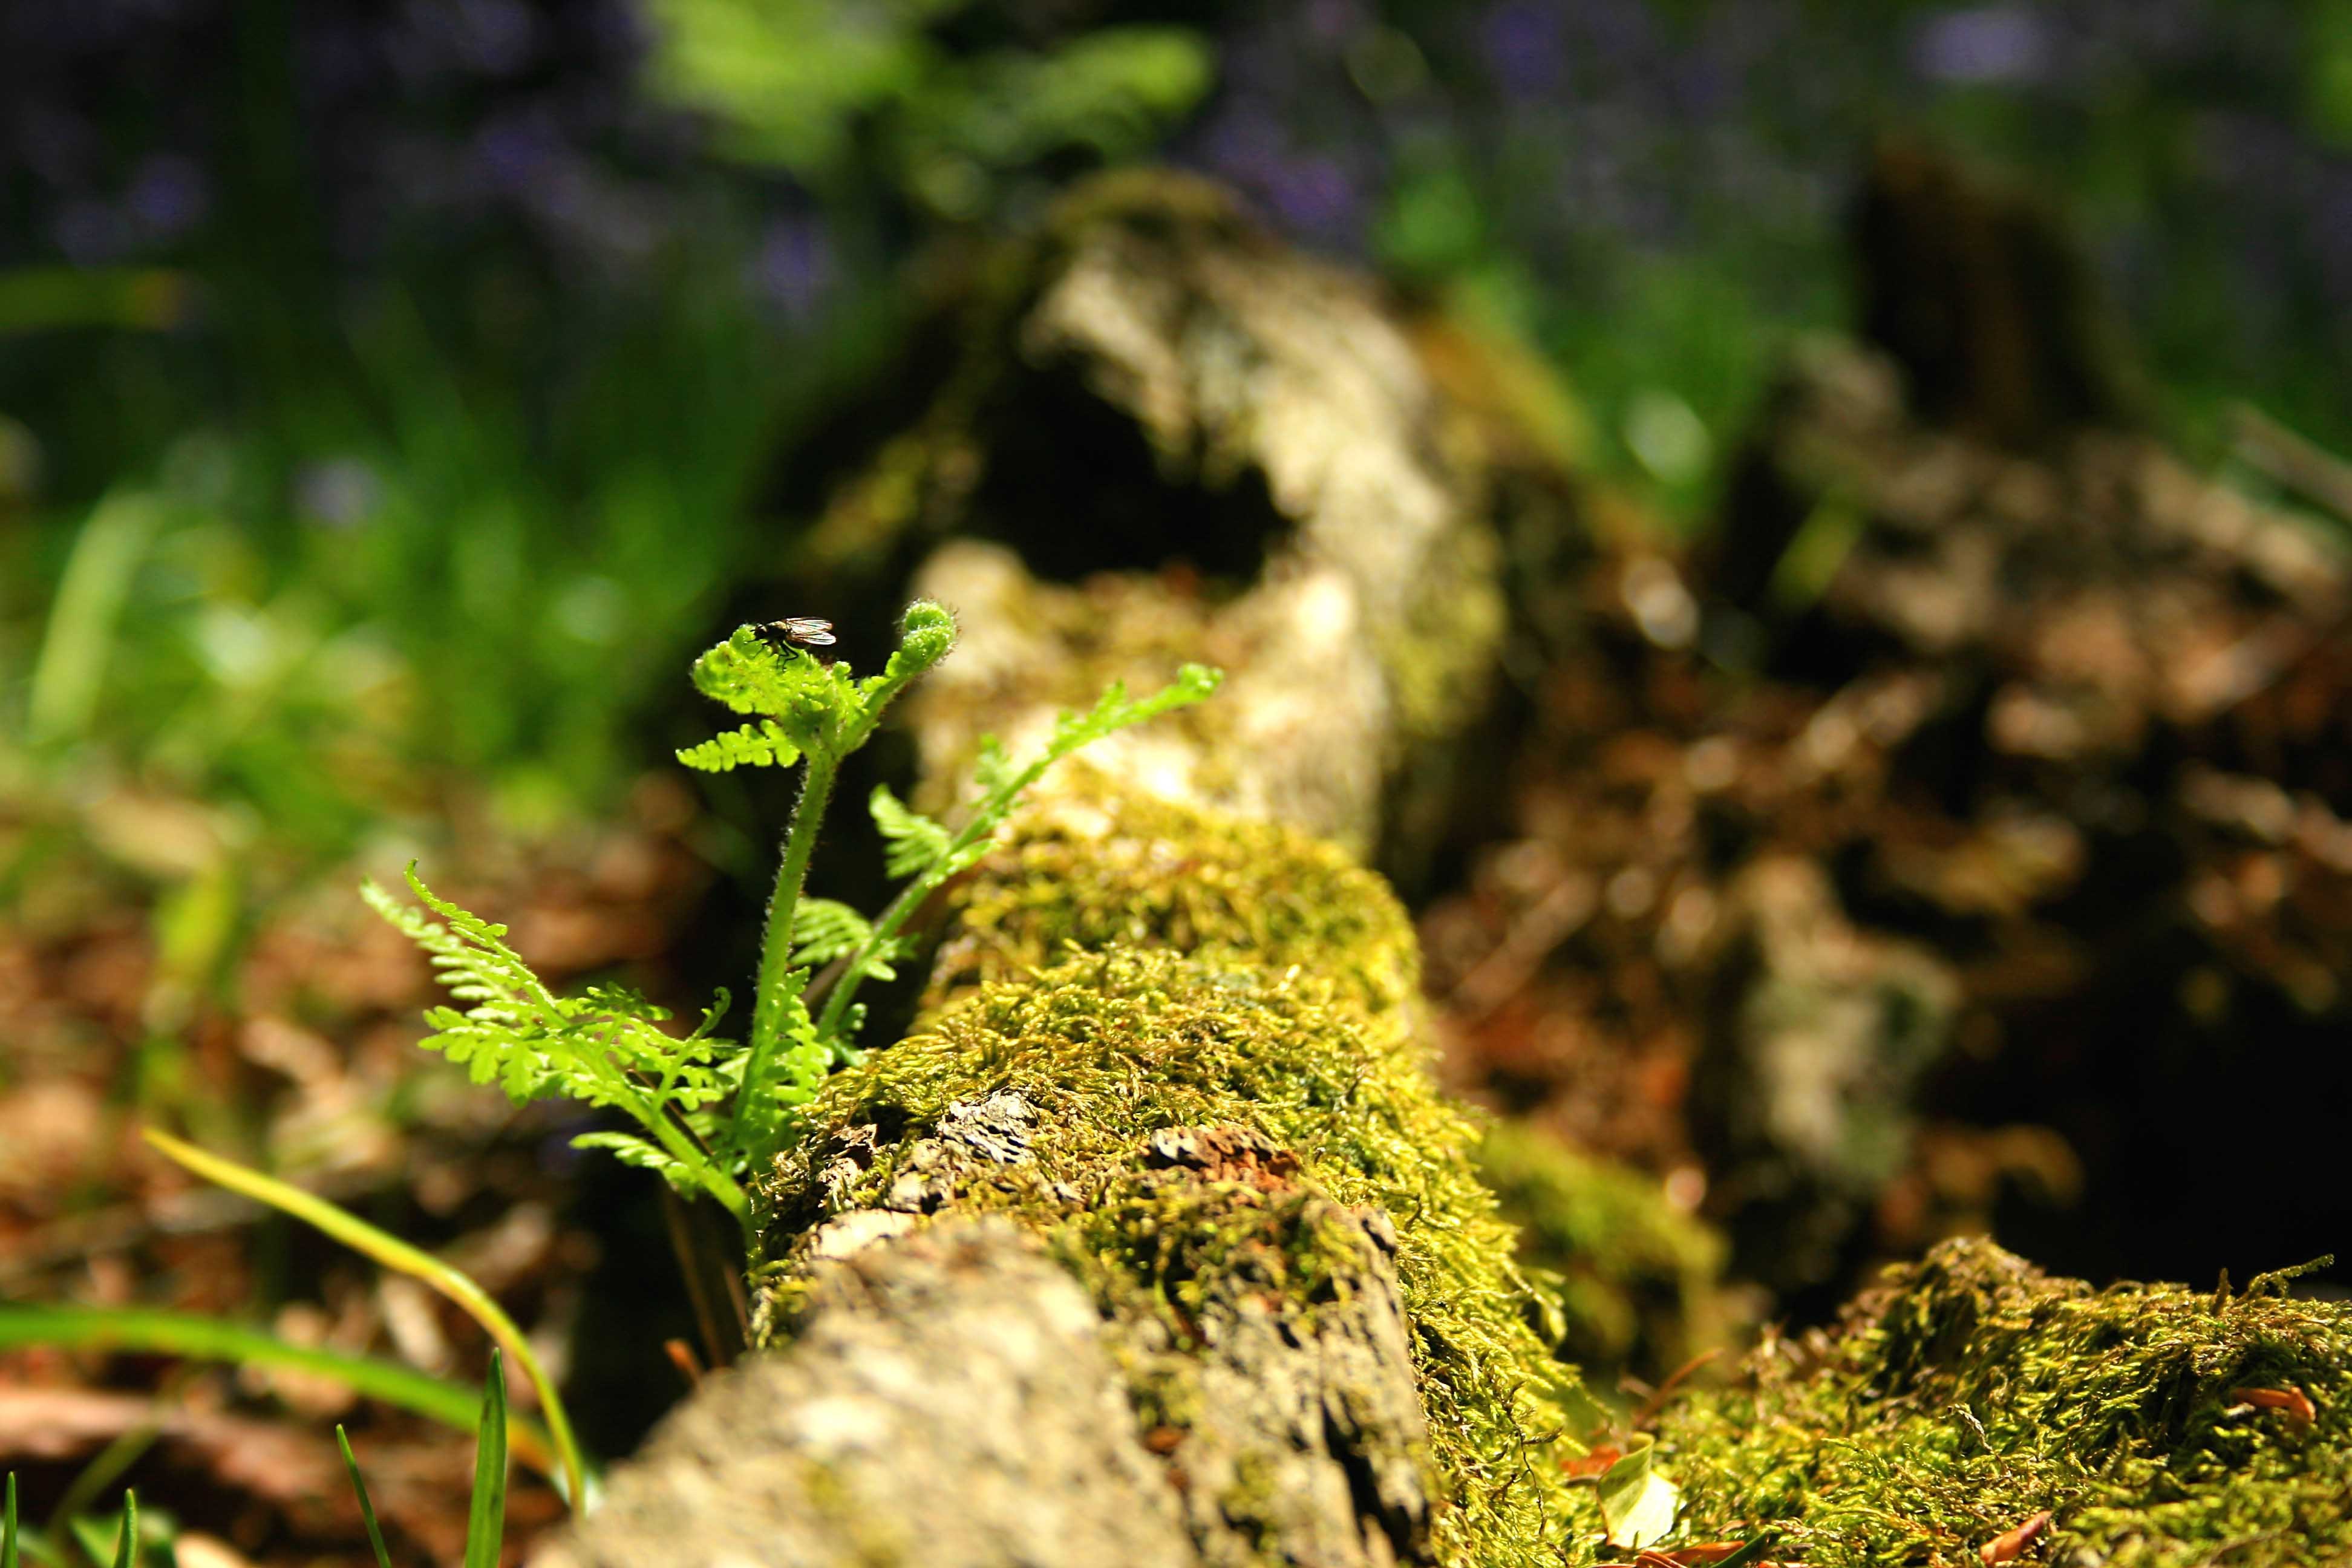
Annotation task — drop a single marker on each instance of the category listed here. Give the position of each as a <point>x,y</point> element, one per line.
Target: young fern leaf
<point>926,634</point>
<point>1002,787</point>
<point>709,1114</point>
<point>827,714</point>
<point>797,1063</point>
<point>761,745</point>
<point>800,699</point>
<point>605,1048</point>
<point>470,956</point>
<point>826,929</point>
<point>911,842</point>
<point>631,1150</point>
<point>992,765</point>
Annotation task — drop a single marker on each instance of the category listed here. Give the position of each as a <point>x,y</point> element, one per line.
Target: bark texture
<point>947,1400</point>
<point>1170,436</point>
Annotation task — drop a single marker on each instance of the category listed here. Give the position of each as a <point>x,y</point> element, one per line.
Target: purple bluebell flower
<point>167,198</point>
<point>793,269</point>
<point>1520,42</point>
<point>2002,43</point>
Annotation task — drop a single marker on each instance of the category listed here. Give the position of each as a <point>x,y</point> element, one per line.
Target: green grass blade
<point>72,1517</point>
<point>69,673</point>
<point>393,1253</point>
<point>486,1522</point>
<point>201,1338</point>
<point>8,1526</point>
<point>367,1509</point>
<point>126,1546</point>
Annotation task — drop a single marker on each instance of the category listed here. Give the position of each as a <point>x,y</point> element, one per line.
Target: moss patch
<point>1106,867</point>
<point>1972,1392</point>
<point>1639,1277</point>
<point>1110,1048</point>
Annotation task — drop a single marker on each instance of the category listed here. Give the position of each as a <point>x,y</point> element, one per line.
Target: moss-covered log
<point>1173,1042</point>
<point>1155,1241</point>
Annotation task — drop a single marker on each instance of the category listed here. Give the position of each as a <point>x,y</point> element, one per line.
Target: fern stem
<point>776,947</point>
<point>985,819</point>
<point>682,1146</point>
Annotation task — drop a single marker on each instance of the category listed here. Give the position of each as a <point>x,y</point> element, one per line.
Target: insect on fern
<point>710,1112</point>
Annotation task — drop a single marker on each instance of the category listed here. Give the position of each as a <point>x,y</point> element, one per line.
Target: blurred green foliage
<point>792,83</point>
<point>327,495</point>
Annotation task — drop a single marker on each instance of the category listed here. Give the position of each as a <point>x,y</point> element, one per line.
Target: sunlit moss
<point>1639,1277</point>
<point>1111,866</point>
<point>1971,1391</point>
<point>1223,975</point>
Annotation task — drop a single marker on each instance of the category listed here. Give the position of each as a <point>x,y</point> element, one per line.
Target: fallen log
<point>1155,1240</point>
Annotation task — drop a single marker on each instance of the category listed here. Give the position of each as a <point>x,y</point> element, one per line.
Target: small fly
<point>799,631</point>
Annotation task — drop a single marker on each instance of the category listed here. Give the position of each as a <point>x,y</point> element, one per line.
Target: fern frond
<point>606,1048</point>
<point>762,1120</point>
<point>880,959</point>
<point>924,851</point>
<point>912,842</point>
<point>812,701</point>
<point>631,1150</point>
<point>825,929</point>
<point>991,768</point>
<point>761,745</point>
<point>926,632</point>
<point>470,956</point>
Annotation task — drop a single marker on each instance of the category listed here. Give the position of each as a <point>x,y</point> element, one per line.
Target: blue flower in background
<point>794,267</point>
<point>1983,43</point>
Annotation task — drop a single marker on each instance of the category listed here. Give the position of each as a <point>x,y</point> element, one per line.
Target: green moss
<point>1639,1277</point>
<point>1173,1243</point>
<point>1440,662</point>
<point>1971,1391</point>
<point>1106,1049</point>
<point>1115,868</point>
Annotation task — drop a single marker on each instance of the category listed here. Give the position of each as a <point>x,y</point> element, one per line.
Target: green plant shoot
<point>367,1509</point>
<point>711,1114</point>
<point>486,1520</point>
<point>126,1546</point>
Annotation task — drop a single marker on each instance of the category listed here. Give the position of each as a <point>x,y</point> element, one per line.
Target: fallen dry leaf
<point>2293,1401</point>
<point>2006,1546</point>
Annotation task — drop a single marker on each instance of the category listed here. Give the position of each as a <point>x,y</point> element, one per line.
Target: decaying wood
<point>936,1388</point>
<point>1171,437</point>
<point>2052,728</point>
<point>1869,791</point>
<point>947,1400</point>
